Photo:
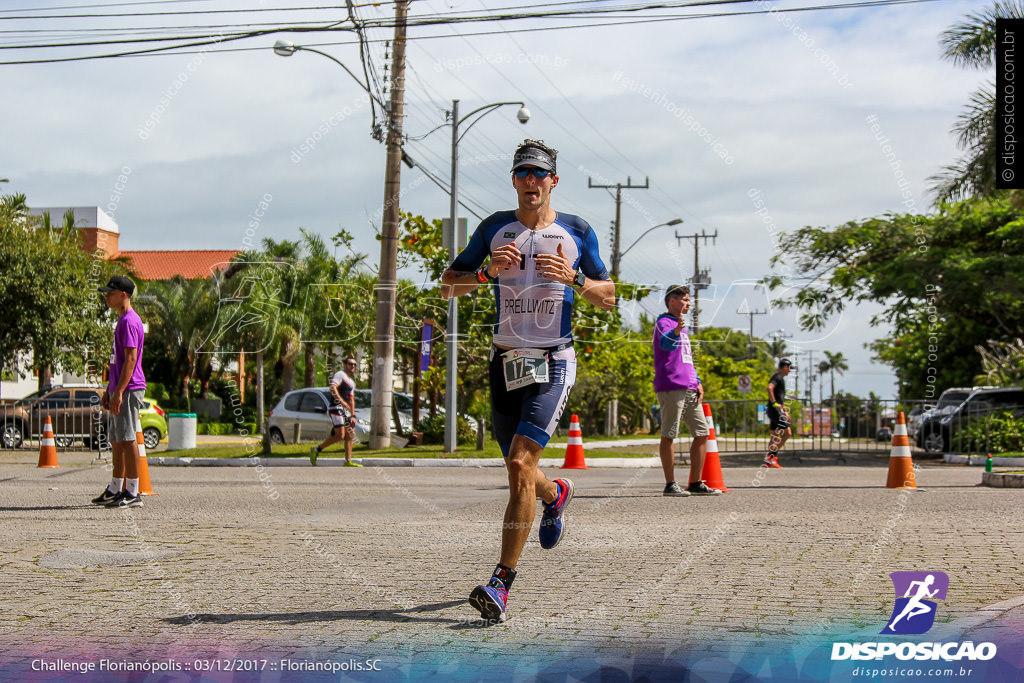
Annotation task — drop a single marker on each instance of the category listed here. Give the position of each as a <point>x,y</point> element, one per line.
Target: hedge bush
<point>433,430</point>
<point>1001,433</point>
<point>223,428</point>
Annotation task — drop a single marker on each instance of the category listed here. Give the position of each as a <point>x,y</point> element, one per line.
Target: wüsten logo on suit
<point>914,614</point>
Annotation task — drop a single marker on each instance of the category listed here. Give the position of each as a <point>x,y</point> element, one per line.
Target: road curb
<point>956,630</point>
<point>1003,480</point>
<point>980,460</point>
<point>547,463</point>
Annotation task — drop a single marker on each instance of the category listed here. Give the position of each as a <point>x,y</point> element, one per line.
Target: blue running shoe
<point>552,525</point>
<point>490,600</point>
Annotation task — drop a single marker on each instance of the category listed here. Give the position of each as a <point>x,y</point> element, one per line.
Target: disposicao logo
<point>914,614</point>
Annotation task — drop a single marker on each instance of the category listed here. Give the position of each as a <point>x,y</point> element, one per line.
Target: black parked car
<point>937,431</point>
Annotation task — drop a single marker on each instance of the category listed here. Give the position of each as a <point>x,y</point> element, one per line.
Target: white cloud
<point>228,133</point>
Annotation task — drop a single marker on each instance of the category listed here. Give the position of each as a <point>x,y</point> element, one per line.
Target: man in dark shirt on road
<point>778,414</point>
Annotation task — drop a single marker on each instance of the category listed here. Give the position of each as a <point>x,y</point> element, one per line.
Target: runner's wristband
<point>482,277</point>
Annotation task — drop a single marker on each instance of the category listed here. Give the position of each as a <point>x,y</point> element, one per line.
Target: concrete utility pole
<point>700,280</point>
<point>810,375</point>
<point>750,334</point>
<point>617,227</point>
<point>387,277</point>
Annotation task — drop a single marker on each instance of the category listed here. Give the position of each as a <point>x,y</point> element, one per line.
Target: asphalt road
<point>337,564</point>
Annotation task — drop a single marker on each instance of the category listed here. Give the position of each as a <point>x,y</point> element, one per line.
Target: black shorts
<point>531,411</point>
<point>777,418</point>
<point>339,417</point>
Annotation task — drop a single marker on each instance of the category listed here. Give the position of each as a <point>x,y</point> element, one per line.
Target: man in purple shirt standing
<point>680,393</point>
<point>123,396</point>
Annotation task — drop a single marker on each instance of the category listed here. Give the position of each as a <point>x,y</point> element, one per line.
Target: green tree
<point>946,283</point>
<point>332,293</point>
<point>833,363</point>
<point>971,44</point>
<point>48,294</point>
<point>255,290</point>
<point>180,313</point>
<point>1002,363</point>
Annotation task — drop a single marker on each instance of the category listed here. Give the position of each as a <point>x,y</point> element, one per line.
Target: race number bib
<point>524,367</point>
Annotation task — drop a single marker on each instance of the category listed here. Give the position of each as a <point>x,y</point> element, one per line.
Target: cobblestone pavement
<point>379,562</point>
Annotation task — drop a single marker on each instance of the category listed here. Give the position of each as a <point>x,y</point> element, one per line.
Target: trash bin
<point>181,431</point>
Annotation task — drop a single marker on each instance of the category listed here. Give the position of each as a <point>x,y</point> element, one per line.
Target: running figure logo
<point>913,614</point>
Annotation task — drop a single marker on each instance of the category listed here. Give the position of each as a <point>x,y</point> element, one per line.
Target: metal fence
<point>852,425</point>
<point>843,425</point>
<point>74,427</point>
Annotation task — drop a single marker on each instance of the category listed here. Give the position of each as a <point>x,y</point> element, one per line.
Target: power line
<point>454,19</point>
<point>105,4</point>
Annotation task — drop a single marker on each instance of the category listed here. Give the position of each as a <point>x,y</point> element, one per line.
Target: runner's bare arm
<point>600,293</point>
<point>457,283</point>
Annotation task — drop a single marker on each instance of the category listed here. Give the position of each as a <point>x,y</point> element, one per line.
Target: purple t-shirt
<point>673,359</point>
<point>129,334</point>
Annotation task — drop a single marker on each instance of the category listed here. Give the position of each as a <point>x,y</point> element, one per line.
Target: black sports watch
<point>580,280</point>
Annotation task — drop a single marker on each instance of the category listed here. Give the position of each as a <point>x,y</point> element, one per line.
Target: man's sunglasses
<point>537,172</point>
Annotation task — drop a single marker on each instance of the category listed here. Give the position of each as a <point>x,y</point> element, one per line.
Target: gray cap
<point>533,156</point>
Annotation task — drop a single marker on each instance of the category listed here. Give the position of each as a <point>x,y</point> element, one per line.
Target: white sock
<point>115,484</point>
<point>132,486</point>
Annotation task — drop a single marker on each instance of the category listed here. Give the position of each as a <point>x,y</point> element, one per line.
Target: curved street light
<point>452,329</point>
<point>674,221</point>
<point>387,283</point>
<point>286,48</point>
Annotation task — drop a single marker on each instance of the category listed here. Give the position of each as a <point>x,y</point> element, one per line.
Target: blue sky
<point>718,113</point>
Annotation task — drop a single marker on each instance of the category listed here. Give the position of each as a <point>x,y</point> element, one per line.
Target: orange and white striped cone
<point>145,487</point>
<point>901,463</point>
<point>712,472</point>
<point>48,447</point>
<point>574,450</point>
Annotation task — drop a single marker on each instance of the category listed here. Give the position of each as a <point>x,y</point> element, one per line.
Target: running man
<point>778,414</point>
<point>914,606</point>
<point>343,414</point>
<point>540,262</point>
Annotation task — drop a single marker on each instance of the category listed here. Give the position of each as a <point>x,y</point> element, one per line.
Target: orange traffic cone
<point>48,447</point>
<point>145,488</point>
<point>574,450</point>
<point>901,464</point>
<point>712,472</point>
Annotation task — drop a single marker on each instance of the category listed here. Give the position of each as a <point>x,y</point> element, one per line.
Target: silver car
<point>308,408</point>
<point>404,404</point>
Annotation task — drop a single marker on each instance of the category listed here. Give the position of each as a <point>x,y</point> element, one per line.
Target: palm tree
<point>329,290</point>
<point>833,363</point>
<point>182,313</point>
<point>971,44</point>
<point>249,314</point>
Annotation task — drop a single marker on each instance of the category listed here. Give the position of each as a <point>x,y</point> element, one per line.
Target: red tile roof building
<point>100,236</point>
<point>190,264</point>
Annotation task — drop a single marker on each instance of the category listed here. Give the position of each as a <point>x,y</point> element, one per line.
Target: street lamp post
<point>452,331</point>
<point>286,48</point>
<point>618,256</point>
<point>387,278</point>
